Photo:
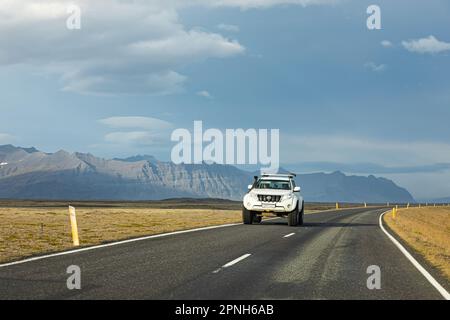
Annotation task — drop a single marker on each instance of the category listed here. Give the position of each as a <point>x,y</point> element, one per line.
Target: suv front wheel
<point>301,215</point>
<point>247,216</point>
<point>293,217</point>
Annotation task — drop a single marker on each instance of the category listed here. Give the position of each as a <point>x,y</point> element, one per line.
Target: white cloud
<point>147,123</point>
<point>204,94</point>
<point>386,43</point>
<point>426,45</point>
<point>6,138</point>
<point>375,67</point>
<point>132,47</point>
<point>122,47</point>
<point>228,27</point>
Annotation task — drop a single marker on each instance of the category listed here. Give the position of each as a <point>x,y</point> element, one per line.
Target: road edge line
<point>416,264</point>
<point>115,243</point>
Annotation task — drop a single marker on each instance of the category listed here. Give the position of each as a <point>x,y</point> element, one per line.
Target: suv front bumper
<point>278,207</point>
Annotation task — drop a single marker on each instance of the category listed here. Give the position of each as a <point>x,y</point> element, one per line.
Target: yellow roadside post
<point>337,206</point>
<point>73,223</point>
<point>394,212</point>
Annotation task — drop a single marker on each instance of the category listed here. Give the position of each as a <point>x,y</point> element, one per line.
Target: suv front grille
<point>268,198</point>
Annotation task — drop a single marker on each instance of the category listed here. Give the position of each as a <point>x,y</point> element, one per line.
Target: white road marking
<point>288,235</point>
<point>229,264</point>
<point>233,262</point>
<point>422,270</point>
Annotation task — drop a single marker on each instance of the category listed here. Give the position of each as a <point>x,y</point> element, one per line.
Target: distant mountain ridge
<point>27,173</point>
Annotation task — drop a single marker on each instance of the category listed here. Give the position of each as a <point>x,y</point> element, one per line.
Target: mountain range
<point>27,173</point>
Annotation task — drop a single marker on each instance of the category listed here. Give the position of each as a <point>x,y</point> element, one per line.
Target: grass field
<point>427,231</point>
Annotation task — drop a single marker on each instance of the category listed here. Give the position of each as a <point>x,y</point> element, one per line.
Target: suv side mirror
<point>297,189</point>
<point>250,186</point>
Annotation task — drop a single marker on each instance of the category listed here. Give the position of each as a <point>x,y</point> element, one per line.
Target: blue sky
<point>344,97</point>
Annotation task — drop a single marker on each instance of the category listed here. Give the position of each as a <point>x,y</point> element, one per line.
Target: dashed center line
<point>229,264</point>
<point>288,235</point>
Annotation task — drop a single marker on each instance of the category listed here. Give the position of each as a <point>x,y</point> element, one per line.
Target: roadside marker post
<point>73,224</point>
<point>394,213</point>
<point>337,206</point>
<point>407,206</point>
<point>365,205</point>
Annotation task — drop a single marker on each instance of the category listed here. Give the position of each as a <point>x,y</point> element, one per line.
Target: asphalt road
<point>327,258</point>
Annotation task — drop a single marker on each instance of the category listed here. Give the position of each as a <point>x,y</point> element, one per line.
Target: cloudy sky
<point>344,97</point>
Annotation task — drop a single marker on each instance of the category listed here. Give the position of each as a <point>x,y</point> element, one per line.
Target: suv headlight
<point>287,197</point>
<point>251,196</point>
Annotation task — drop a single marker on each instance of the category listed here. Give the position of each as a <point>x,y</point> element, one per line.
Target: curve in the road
<point>416,264</point>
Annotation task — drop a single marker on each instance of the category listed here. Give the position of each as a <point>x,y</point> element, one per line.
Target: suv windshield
<point>273,184</point>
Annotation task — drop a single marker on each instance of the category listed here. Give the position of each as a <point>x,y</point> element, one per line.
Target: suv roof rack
<point>290,175</point>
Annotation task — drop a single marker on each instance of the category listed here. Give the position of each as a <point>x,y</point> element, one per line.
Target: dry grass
<point>426,230</point>
<point>30,231</point>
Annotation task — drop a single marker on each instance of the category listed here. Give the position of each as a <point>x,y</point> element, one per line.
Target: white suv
<point>276,194</point>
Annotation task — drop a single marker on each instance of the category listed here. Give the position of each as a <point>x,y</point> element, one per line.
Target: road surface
<point>327,258</point>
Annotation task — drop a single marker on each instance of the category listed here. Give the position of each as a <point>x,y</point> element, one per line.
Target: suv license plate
<point>268,205</point>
